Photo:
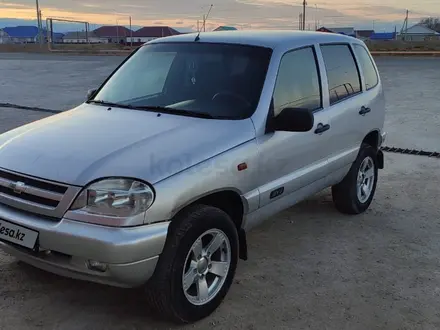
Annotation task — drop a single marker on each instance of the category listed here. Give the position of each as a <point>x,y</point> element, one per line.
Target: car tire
<point>356,191</point>
<point>178,289</point>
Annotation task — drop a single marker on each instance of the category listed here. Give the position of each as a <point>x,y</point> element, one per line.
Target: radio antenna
<point>205,18</point>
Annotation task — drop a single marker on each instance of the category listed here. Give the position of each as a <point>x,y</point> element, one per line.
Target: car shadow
<point>79,297</point>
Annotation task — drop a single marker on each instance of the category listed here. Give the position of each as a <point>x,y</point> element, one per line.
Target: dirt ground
<point>309,267</point>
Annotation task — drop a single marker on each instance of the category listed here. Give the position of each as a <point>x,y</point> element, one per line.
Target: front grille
<point>45,185</point>
<point>29,197</point>
<point>29,190</point>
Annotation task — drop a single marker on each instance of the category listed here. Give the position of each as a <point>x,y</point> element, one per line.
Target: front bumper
<point>65,247</point>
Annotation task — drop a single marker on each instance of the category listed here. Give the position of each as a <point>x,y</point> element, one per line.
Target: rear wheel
<point>197,266</point>
<point>356,191</point>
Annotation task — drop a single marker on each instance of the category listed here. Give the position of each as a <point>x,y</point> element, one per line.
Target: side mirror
<point>91,93</point>
<point>294,120</point>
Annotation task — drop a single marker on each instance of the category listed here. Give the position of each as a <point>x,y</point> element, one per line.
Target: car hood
<point>91,142</point>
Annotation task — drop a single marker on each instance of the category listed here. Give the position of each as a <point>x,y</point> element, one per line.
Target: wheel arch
<point>374,139</point>
<point>232,203</point>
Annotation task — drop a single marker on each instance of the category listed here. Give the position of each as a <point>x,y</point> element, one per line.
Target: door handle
<point>364,111</point>
<point>321,128</point>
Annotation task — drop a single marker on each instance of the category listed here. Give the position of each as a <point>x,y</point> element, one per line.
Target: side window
<point>298,83</point>
<point>366,63</point>
<point>342,73</point>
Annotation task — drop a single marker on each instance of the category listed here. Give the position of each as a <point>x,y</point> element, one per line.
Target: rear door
<point>290,161</point>
<point>372,102</point>
<point>345,103</point>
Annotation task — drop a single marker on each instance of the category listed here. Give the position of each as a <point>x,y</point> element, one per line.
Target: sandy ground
<point>310,267</point>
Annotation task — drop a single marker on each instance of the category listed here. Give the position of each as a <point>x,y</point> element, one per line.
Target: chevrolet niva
<point>191,142</point>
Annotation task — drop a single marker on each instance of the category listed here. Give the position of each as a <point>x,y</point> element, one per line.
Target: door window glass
<point>298,84</point>
<point>342,73</point>
<point>366,63</point>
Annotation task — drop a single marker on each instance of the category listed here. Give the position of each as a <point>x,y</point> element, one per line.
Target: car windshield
<point>214,80</point>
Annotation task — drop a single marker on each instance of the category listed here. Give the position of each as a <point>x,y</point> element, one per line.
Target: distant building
<point>364,34</point>
<point>383,36</point>
<point>4,37</point>
<point>225,28</point>
<point>113,34</point>
<point>58,37</point>
<point>324,29</point>
<point>23,34</point>
<point>148,33</point>
<point>348,31</point>
<point>420,32</point>
<point>183,30</point>
<point>82,38</point>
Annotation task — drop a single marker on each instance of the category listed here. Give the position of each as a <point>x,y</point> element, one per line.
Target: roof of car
<point>270,39</point>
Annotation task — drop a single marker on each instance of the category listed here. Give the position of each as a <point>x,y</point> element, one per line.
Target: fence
<point>399,45</point>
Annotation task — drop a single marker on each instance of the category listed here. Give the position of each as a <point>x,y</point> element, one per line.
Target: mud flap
<point>243,252</point>
<point>380,159</point>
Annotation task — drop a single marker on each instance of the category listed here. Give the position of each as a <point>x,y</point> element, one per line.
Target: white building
<point>82,38</point>
<point>420,32</point>
<point>4,37</point>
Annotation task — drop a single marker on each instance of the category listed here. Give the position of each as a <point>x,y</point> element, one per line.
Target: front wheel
<point>197,266</point>
<point>356,191</point>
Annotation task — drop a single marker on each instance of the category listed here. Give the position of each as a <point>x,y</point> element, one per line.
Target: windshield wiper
<point>174,111</point>
<point>110,104</point>
<point>155,108</point>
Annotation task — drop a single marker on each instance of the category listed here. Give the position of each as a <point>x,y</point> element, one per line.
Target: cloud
<point>90,5</point>
<point>9,4</point>
<point>132,6</point>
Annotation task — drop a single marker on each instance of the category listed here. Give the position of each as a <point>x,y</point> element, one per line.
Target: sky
<point>383,15</point>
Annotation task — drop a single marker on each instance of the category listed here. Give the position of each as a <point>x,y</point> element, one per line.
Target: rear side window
<point>298,83</point>
<point>342,72</point>
<point>366,63</point>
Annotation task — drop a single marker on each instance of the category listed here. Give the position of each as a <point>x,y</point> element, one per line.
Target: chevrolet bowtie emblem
<point>18,187</point>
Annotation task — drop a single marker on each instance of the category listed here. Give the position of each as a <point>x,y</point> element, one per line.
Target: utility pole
<point>38,21</point>
<point>117,31</point>
<point>304,14</point>
<point>51,32</point>
<point>205,18</point>
<point>131,34</point>
<point>87,33</point>
<point>300,21</point>
<point>41,28</point>
<point>404,26</point>
<point>316,17</point>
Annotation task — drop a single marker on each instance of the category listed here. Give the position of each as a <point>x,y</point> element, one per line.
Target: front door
<point>290,161</point>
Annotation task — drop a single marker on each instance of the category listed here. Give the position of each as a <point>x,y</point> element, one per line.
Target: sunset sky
<point>245,14</point>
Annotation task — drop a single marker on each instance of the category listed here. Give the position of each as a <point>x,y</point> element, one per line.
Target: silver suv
<point>154,181</point>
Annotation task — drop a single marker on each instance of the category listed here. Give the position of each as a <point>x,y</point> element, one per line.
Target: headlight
<point>115,198</point>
